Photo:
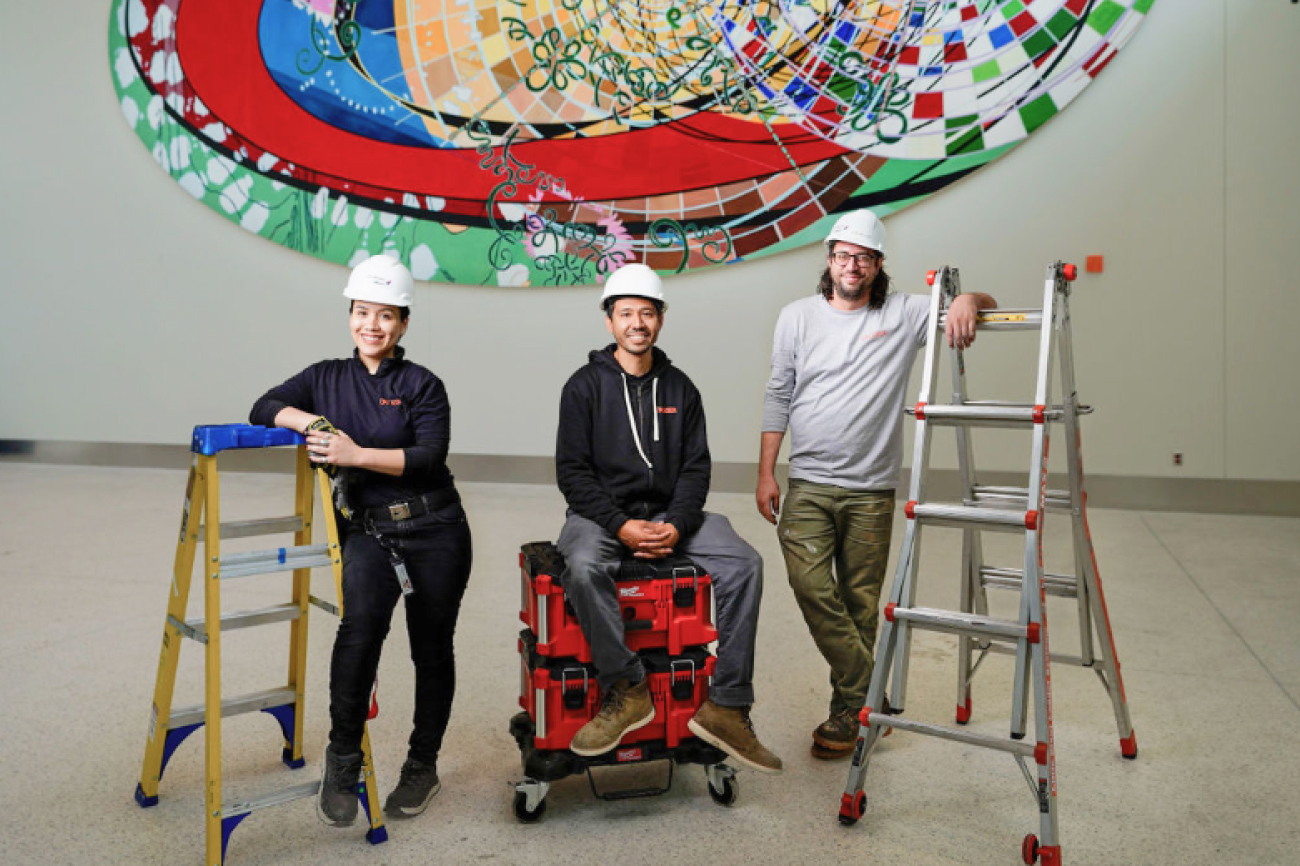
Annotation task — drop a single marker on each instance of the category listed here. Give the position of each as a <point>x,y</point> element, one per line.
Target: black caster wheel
<point>851,808</point>
<point>521,810</point>
<point>1029,849</point>
<point>726,795</point>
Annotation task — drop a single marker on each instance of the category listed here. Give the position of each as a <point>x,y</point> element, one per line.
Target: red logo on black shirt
<point>384,401</point>
<point>667,410</point>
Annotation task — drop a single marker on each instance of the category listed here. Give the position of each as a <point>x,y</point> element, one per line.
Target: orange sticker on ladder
<point>1002,317</point>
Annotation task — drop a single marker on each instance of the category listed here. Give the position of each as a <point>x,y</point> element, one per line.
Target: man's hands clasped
<point>649,539</point>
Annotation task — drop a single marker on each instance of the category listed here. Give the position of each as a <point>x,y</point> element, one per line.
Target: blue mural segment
<point>1001,36</point>
<point>333,90</point>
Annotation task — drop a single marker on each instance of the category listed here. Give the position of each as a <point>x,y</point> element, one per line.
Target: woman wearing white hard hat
<point>381,425</point>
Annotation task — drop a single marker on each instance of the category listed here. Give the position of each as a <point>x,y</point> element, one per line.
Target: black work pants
<point>437,550</point>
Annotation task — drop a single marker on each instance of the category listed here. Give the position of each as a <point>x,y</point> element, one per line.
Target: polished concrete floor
<point>1204,607</point>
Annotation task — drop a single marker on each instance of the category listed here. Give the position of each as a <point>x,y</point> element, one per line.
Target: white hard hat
<point>861,227</point>
<point>381,279</point>
<point>634,280</point>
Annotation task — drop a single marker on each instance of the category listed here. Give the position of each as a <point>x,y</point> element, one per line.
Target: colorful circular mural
<point>545,142</point>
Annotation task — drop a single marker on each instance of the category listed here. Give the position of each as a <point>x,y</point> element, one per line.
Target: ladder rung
<point>1061,585</point>
<point>1009,319</point>
<point>1055,500</point>
<point>967,517</point>
<point>276,798</point>
<point>196,629</point>
<point>1002,744</point>
<point>249,703</point>
<point>327,606</point>
<point>1079,408</point>
<point>1056,658</point>
<point>276,559</point>
<point>931,619</point>
<point>262,526</point>
<point>956,415</point>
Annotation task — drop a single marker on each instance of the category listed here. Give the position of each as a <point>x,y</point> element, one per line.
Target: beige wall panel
<point>1262,208</point>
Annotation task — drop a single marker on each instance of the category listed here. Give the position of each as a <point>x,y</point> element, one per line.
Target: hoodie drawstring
<point>654,404</point>
<point>631,419</point>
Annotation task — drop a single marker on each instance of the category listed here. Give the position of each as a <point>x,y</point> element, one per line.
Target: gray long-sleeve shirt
<point>837,383</point>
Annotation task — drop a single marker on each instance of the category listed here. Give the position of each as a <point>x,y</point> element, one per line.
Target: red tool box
<point>667,604</point>
<point>561,695</point>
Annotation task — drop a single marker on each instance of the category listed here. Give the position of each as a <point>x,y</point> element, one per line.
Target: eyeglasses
<point>842,258</point>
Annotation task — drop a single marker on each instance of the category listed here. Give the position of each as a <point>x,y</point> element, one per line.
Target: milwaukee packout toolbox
<point>561,695</point>
<point>667,604</point>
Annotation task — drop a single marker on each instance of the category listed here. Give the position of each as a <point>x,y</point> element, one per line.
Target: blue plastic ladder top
<point>210,439</point>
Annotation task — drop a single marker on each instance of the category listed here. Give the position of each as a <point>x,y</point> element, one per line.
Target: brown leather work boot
<point>624,709</point>
<point>837,735</point>
<point>729,729</point>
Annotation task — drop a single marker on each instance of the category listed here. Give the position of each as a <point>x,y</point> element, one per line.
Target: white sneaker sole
<point>718,743</point>
<point>400,812</point>
<point>635,726</point>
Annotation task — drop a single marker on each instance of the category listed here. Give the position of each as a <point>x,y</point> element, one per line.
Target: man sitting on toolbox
<point>632,460</point>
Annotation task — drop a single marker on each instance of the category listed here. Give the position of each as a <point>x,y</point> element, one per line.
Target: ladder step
<point>262,526</point>
<point>1010,319</point>
<point>1002,744</point>
<point>276,798</point>
<point>1056,658</point>
<point>932,619</point>
<point>274,560</point>
<point>961,414</point>
<point>327,606</point>
<point>1060,585</point>
<point>196,629</point>
<point>249,703</point>
<point>968,517</point>
<point>1055,500</point>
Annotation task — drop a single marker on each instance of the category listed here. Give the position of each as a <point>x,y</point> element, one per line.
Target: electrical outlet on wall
<point>1178,458</point>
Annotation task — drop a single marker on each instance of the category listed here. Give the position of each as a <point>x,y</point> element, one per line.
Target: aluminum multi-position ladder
<point>1008,509</point>
<point>169,726</point>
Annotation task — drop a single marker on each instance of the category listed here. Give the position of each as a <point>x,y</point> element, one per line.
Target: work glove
<point>338,476</point>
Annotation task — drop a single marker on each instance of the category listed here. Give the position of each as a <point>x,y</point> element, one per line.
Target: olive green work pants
<point>836,546</point>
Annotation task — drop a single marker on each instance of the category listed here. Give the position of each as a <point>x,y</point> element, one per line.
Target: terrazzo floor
<point>1204,608</point>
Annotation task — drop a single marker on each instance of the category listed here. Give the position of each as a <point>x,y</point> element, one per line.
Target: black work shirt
<point>403,405</point>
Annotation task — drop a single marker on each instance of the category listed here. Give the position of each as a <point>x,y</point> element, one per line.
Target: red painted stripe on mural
<point>215,38</point>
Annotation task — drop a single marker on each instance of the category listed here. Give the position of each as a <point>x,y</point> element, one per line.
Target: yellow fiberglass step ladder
<point>200,524</point>
<point>1007,509</point>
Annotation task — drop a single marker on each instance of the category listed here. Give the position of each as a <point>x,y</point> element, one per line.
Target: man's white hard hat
<point>381,279</point>
<point>634,280</point>
<point>861,227</point>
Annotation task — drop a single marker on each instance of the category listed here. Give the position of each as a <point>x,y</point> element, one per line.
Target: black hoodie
<point>612,468</point>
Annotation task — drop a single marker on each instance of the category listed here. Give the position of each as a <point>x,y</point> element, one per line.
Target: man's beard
<point>851,295</point>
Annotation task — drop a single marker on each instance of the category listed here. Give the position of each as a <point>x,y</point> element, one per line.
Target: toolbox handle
<point>574,699</point>
<point>682,688</point>
<point>685,596</point>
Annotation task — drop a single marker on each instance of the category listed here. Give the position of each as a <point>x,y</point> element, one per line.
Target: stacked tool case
<point>668,621</point>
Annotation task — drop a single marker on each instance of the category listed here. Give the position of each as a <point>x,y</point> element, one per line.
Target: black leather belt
<point>414,508</point>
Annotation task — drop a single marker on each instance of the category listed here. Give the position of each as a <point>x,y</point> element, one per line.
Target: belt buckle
<point>400,511</point>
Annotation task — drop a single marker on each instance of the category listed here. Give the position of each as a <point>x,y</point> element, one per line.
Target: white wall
<point>134,313</point>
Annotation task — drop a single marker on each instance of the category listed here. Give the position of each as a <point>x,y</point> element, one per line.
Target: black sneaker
<point>337,804</point>
<point>418,784</point>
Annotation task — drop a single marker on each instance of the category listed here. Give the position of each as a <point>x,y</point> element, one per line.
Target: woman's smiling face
<point>376,328</point>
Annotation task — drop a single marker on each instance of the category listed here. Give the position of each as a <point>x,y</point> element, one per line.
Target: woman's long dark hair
<point>879,287</point>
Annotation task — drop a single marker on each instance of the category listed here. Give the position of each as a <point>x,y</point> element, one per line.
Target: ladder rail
<point>214,853</point>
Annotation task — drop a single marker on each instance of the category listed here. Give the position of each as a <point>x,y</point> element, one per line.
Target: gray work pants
<point>592,556</point>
